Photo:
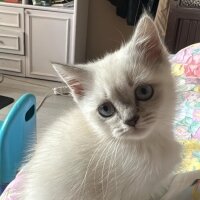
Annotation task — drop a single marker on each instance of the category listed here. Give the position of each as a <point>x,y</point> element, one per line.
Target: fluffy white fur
<point>83,156</point>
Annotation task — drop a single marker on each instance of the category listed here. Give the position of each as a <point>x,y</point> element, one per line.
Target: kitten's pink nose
<point>132,121</point>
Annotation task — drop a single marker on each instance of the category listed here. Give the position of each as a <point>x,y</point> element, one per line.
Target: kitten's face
<point>128,99</point>
<point>128,93</point>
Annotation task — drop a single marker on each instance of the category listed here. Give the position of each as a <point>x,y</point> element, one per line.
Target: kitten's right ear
<point>146,41</point>
<point>76,79</point>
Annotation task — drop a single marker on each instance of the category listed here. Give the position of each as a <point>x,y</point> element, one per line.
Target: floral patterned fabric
<point>186,69</point>
<point>187,121</point>
<point>186,62</point>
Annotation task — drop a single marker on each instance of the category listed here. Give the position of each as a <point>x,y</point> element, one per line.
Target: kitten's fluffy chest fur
<point>87,167</point>
<point>126,170</point>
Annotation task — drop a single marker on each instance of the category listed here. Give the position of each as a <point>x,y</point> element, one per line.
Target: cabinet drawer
<point>12,18</point>
<point>12,64</point>
<point>12,42</point>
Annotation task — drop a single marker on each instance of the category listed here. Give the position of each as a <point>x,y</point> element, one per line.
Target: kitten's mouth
<point>133,132</point>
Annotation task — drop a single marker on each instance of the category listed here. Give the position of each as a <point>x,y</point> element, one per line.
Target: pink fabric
<point>187,59</point>
<point>10,193</point>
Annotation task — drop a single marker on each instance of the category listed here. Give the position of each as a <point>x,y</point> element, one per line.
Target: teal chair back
<point>17,134</point>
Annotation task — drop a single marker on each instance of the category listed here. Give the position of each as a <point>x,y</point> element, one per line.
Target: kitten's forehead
<point>117,77</point>
<point>121,70</point>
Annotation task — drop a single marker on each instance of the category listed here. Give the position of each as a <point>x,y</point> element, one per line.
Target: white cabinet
<point>12,18</point>
<point>12,64</point>
<point>31,37</point>
<point>47,40</point>
<point>12,42</point>
<point>12,59</point>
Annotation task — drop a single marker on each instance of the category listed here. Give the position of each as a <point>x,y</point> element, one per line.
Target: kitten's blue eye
<point>106,109</point>
<point>144,92</point>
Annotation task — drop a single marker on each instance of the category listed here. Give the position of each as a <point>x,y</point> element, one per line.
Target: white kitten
<point>118,145</point>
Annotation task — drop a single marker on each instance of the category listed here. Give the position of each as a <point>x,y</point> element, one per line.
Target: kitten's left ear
<point>146,41</point>
<point>76,79</point>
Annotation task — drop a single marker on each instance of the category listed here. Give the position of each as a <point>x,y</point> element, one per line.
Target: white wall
<point>106,30</point>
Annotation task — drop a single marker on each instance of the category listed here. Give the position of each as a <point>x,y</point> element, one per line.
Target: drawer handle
<point>1,42</point>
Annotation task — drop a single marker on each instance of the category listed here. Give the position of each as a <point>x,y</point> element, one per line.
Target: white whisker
<point>103,168</point>
<point>82,186</point>
<point>110,165</point>
<point>97,163</point>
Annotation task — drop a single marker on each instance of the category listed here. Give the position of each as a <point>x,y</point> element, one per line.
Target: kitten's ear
<point>76,79</point>
<point>146,41</point>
